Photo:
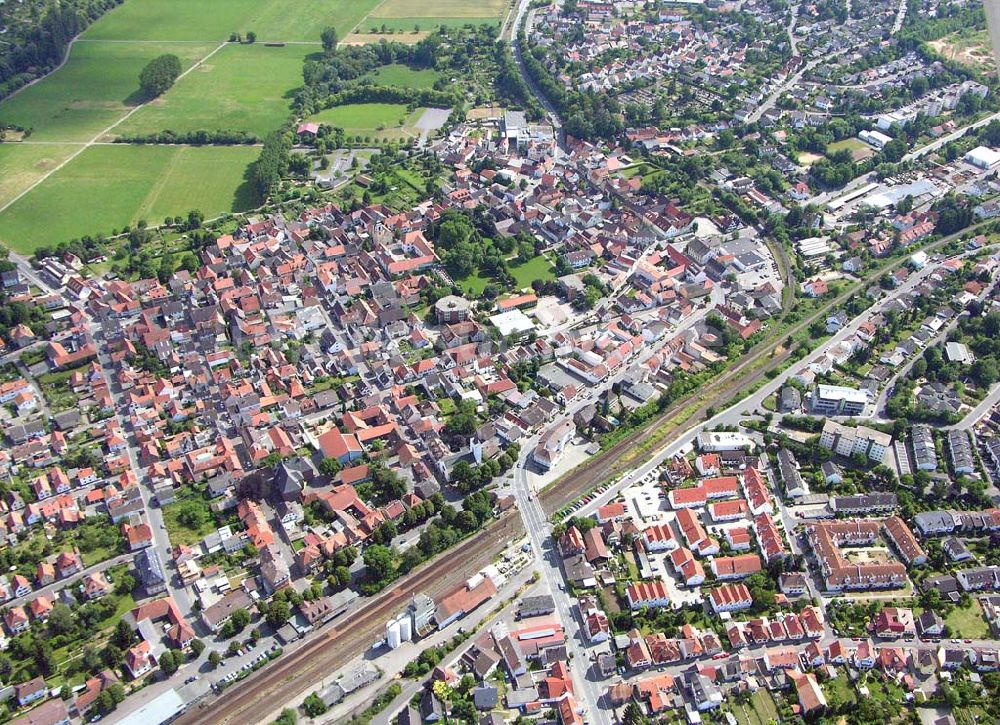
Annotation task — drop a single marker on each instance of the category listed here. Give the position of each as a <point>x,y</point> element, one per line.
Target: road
<point>948,137</point>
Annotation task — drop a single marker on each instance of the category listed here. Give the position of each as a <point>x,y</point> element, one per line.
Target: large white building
<point>716,441</point>
<point>838,400</point>
<point>847,441</point>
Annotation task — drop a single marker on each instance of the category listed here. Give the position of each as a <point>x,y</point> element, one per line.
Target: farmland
<point>184,20</point>
<point>68,175</point>
<point>404,15</point>
<point>120,184</point>
<point>26,163</point>
<point>97,86</point>
<point>242,87</point>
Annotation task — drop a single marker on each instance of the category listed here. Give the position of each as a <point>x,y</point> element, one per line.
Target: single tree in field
<point>329,38</point>
<point>251,37</point>
<point>159,74</point>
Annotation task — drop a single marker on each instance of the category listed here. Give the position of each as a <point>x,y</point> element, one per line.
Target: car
<point>967,641</point>
<point>720,656</point>
<point>956,641</point>
<point>191,679</point>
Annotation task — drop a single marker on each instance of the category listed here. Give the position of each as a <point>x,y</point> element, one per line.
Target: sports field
<point>96,87</point>
<point>242,87</point>
<point>107,187</point>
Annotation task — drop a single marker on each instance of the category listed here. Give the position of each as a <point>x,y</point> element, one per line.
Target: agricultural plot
<point>97,86</point>
<point>119,184</point>
<point>271,20</point>
<point>24,164</point>
<point>242,87</point>
<point>403,15</point>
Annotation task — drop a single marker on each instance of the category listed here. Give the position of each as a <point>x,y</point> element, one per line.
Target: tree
<point>313,705</point>
<point>379,560</point>
<point>123,637</point>
<point>169,662</point>
<point>287,717</point>
<point>159,74</point>
<point>342,575</point>
<point>251,37</point>
<point>197,646</point>
<point>329,39</point>
<point>240,619</point>
<point>214,658</point>
<point>61,619</point>
<point>278,613</point>
<point>329,467</point>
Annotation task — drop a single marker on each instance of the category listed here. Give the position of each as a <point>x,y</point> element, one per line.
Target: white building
<point>715,441</point>
<point>983,157</point>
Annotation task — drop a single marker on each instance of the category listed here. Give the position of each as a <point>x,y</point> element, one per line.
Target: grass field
<point>968,623</point>
<point>107,187</point>
<point>96,87</point>
<point>367,118</point>
<point>23,164</point>
<point>242,87</point>
<point>271,20</point>
<point>404,76</point>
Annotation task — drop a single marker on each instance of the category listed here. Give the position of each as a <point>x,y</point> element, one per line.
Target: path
<point>96,139</point>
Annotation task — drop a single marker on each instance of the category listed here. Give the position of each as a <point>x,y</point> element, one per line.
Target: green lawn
<point>242,87</point>
<point>764,706</point>
<point>968,623</point>
<point>271,20</point>
<point>24,164</point>
<point>537,268</point>
<point>95,88</point>
<point>364,117</point>
<point>839,690</point>
<point>107,187</point>
<point>404,14</point>
<point>183,533</point>
<point>398,74</point>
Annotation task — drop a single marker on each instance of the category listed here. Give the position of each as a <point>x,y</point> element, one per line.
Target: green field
<point>95,88</point>
<point>107,187</point>
<point>24,164</point>
<point>367,117</point>
<point>242,87</point>
<point>271,20</point>
<point>398,74</point>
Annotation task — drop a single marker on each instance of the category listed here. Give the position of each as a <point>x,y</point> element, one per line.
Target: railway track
<point>270,687</point>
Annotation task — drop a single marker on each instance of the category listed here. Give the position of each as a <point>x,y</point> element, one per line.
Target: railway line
<point>290,676</point>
